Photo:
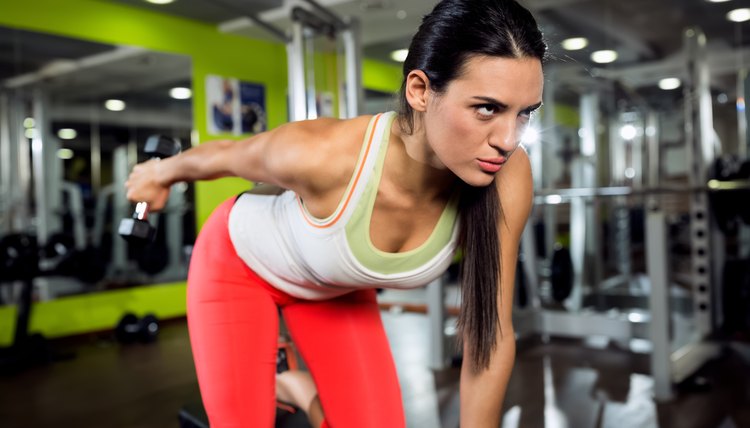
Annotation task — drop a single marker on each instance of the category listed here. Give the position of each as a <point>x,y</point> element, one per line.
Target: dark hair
<point>454,32</point>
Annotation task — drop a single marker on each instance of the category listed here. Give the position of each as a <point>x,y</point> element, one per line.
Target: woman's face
<point>474,126</point>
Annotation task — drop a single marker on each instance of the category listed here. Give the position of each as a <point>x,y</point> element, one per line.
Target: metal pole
<point>6,201</point>
<point>309,71</point>
<point>636,155</point>
<point>96,152</point>
<point>21,175</point>
<point>746,97</point>
<point>530,265</point>
<point>551,144</point>
<point>656,260</point>
<point>436,313</point>
<point>742,142</point>
<point>353,57</point>
<point>295,59</point>
<point>653,175</point>
<point>120,205</point>
<point>592,250</point>
<point>39,166</point>
<point>699,130</point>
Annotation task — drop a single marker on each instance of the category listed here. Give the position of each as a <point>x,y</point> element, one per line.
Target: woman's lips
<point>491,165</point>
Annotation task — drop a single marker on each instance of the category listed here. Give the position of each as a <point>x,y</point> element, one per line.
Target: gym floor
<point>555,384</point>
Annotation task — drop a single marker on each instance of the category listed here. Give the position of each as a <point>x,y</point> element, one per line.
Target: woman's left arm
<point>482,393</point>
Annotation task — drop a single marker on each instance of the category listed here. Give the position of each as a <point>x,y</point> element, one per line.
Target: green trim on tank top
<point>358,226</point>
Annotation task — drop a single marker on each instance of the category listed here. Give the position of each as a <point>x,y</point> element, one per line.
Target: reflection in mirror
<point>74,119</point>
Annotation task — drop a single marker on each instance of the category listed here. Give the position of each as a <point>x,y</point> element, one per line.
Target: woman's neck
<point>414,166</point>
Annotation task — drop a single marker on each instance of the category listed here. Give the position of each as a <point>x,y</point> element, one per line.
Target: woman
<point>378,201</point>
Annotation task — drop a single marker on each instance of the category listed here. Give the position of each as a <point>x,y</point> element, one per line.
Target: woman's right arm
<point>283,157</point>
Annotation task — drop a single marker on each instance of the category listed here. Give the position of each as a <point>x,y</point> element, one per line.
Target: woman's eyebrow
<point>535,106</point>
<point>490,100</point>
<point>500,104</point>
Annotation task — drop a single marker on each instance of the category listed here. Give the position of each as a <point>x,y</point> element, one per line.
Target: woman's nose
<point>505,137</point>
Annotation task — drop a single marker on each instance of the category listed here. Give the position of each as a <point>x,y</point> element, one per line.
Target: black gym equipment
<point>194,416</point>
<point>724,204</point>
<point>19,257</point>
<point>522,296</point>
<point>736,296</point>
<point>19,263</point>
<point>561,274</point>
<point>137,229</point>
<point>743,173</point>
<point>132,329</point>
<point>86,265</point>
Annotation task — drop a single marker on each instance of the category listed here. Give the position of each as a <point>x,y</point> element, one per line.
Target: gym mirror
<point>74,118</point>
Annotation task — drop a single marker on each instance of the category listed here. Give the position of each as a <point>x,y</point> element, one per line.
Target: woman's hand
<point>143,185</point>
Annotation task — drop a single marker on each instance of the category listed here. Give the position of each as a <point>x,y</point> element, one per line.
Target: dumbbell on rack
<point>137,228</point>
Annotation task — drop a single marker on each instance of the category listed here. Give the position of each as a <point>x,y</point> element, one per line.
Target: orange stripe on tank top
<point>354,184</point>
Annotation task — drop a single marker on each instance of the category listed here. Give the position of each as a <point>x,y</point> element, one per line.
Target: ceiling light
<point>718,1</point>
<point>401,14</point>
<point>669,83</point>
<point>65,154</point>
<point>575,43</point>
<point>739,15</point>
<point>628,132</point>
<point>114,105</point>
<point>160,1</point>
<point>604,57</point>
<point>67,134</point>
<point>400,55</point>
<point>180,93</point>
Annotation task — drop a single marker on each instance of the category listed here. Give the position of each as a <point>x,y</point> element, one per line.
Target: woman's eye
<point>526,115</point>
<point>486,110</point>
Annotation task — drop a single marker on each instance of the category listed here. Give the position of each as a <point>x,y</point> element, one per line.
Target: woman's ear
<point>417,90</point>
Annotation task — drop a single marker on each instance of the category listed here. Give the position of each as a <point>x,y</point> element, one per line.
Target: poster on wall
<point>235,107</point>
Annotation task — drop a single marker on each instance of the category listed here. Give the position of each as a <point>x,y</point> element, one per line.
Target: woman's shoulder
<point>319,154</point>
<point>309,142</point>
<point>328,129</point>
<point>515,186</point>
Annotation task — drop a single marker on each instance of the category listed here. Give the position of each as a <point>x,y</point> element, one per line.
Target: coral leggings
<point>234,326</point>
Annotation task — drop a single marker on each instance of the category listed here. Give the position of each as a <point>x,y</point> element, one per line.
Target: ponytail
<point>479,273</point>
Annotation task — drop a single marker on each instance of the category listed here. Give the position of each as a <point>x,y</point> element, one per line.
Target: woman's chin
<point>479,180</point>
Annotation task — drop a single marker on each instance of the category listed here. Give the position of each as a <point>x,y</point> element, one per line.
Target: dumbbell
<point>137,228</point>
<point>131,328</point>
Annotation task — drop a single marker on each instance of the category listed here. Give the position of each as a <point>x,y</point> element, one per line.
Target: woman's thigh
<point>233,324</point>
<point>344,345</point>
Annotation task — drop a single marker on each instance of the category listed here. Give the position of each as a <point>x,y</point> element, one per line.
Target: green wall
<point>212,53</point>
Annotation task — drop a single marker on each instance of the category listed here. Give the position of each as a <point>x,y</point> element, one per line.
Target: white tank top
<point>317,259</point>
